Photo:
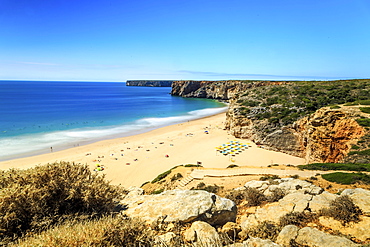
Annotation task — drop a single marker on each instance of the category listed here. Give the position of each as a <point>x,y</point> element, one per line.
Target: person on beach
<point>51,149</point>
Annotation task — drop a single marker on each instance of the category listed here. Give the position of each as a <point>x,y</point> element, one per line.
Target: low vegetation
<point>347,178</point>
<point>365,109</point>
<point>38,198</point>
<point>108,231</point>
<point>336,166</point>
<point>284,104</point>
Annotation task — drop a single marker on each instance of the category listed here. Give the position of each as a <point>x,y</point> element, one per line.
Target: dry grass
<point>36,198</point>
<point>108,231</point>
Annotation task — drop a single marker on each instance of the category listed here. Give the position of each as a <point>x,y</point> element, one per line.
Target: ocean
<point>38,115</point>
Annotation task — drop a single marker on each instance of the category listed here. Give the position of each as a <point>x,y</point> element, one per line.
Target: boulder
<point>181,206</point>
<point>286,235</point>
<point>313,237</point>
<point>321,201</point>
<point>258,242</point>
<point>257,184</point>
<point>202,234</point>
<point>360,197</point>
<point>359,230</point>
<point>300,201</point>
<point>165,239</point>
<point>290,185</point>
<point>231,229</point>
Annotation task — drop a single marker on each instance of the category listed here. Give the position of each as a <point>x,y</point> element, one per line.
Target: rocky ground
<point>279,212</point>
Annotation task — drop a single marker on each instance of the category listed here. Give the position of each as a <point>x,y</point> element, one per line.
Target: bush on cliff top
<point>42,196</point>
<point>336,166</point>
<point>347,178</point>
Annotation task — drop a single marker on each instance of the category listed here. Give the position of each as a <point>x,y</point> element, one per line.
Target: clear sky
<point>118,40</point>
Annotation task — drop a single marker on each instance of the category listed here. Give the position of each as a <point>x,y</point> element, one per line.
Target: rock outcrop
<point>180,206</point>
<point>327,135</point>
<point>204,209</point>
<point>149,83</point>
<point>222,90</point>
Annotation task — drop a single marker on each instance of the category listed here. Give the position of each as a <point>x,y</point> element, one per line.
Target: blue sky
<point>118,40</point>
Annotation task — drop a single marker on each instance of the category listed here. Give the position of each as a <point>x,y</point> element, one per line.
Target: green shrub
<point>232,166</point>
<point>161,176</point>
<point>39,197</point>
<point>253,196</point>
<point>365,109</point>
<point>192,165</point>
<point>347,178</point>
<point>343,209</point>
<point>365,122</point>
<point>336,166</point>
<point>335,107</point>
<point>351,103</point>
<point>365,102</point>
<point>363,152</point>
<point>209,188</point>
<point>156,192</point>
<point>269,177</point>
<point>294,176</point>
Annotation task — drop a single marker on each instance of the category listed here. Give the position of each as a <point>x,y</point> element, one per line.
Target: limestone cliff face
<point>327,135</point>
<point>222,90</point>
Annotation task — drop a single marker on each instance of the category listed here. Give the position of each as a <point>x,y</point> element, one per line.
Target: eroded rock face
<point>327,135</point>
<point>223,90</point>
<point>181,206</point>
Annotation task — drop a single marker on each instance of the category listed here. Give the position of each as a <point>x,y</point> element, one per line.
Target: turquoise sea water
<point>35,116</point>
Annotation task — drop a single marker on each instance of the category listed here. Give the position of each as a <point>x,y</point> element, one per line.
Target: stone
<point>294,185</point>
<point>321,201</point>
<point>203,234</point>
<point>360,197</point>
<point>165,239</point>
<point>231,229</point>
<point>287,234</point>
<point>256,184</point>
<point>313,237</point>
<point>181,206</point>
<point>134,191</point>
<point>258,242</point>
<point>359,230</point>
<point>300,201</point>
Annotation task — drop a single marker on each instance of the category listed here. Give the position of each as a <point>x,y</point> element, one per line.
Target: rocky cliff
<point>149,83</point>
<point>222,90</point>
<point>289,117</point>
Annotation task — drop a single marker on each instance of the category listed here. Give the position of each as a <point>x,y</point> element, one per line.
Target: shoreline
<point>158,150</point>
<point>135,128</point>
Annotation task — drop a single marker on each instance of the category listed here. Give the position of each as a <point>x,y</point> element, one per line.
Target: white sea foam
<point>31,144</point>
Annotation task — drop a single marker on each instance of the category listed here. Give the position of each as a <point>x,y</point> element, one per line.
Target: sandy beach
<point>133,160</point>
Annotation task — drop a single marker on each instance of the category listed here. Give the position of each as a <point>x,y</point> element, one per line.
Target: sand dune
<point>133,160</point>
